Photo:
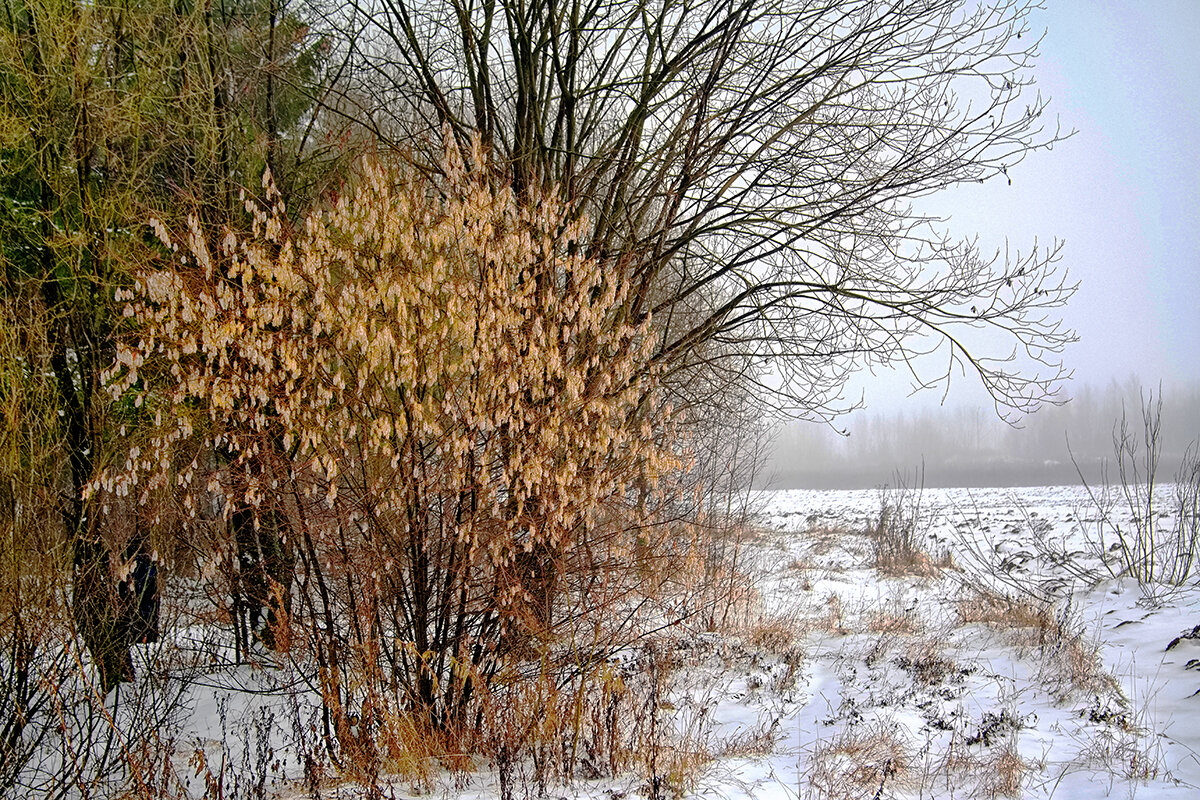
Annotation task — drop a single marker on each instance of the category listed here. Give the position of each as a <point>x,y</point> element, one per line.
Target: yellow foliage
<point>438,328</point>
<point>427,379</point>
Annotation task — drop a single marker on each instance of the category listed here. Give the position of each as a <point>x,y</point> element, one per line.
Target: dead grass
<point>866,761</point>
<point>896,622</point>
<point>1125,754</point>
<point>1076,662</point>
<point>751,743</point>
<point>1070,657</point>
<point>1002,772</point>
<point>773,635</point>
<point>985,607</point>
<point>824,539</point>
<point>923,660</point>
<point>877,760</point>
<point>400,746</point>
<point>965,772</point>
<point>835,619</point>
<point>778,632</point>
<point>898,562</point>
<point>805,571</point>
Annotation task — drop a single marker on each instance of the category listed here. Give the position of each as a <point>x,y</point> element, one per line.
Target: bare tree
<point>758,160</point>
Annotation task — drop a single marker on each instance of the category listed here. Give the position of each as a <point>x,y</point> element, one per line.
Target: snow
<point>850,682</point>
<point>927,684</point>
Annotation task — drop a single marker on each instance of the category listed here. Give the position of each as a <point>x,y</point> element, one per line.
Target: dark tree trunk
<point>94,602</point>
<point>263,591</point>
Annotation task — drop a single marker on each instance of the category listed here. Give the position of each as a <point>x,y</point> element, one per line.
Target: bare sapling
<point>1142,528</point>
<point>901,531</point>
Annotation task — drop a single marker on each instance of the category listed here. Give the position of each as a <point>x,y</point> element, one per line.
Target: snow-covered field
<point>1007,663</point>
<point>918,685</point>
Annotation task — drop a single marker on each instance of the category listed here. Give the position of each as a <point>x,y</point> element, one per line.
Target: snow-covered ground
<point>922,685</point>
<point>1007,663</point>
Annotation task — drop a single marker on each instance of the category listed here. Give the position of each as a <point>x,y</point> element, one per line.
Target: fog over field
<point>969,446</point>
<point>1120,193</point>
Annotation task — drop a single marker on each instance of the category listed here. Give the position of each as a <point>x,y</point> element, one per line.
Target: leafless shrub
<point>28,668</point>
<point>1028,579</point>
<point>901,531</point>
<point>701,572</point>
<point>86,742</point>
<point>1131,519</point>
<point>61,730</point>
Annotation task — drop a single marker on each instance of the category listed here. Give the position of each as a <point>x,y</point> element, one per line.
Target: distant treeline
<point>969,446</point>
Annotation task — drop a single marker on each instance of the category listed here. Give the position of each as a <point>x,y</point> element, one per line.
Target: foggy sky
<point>1122,193</point>
<point>966,446</point>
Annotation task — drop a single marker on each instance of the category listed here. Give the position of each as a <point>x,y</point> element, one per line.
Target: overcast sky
<point>1122,192</point>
